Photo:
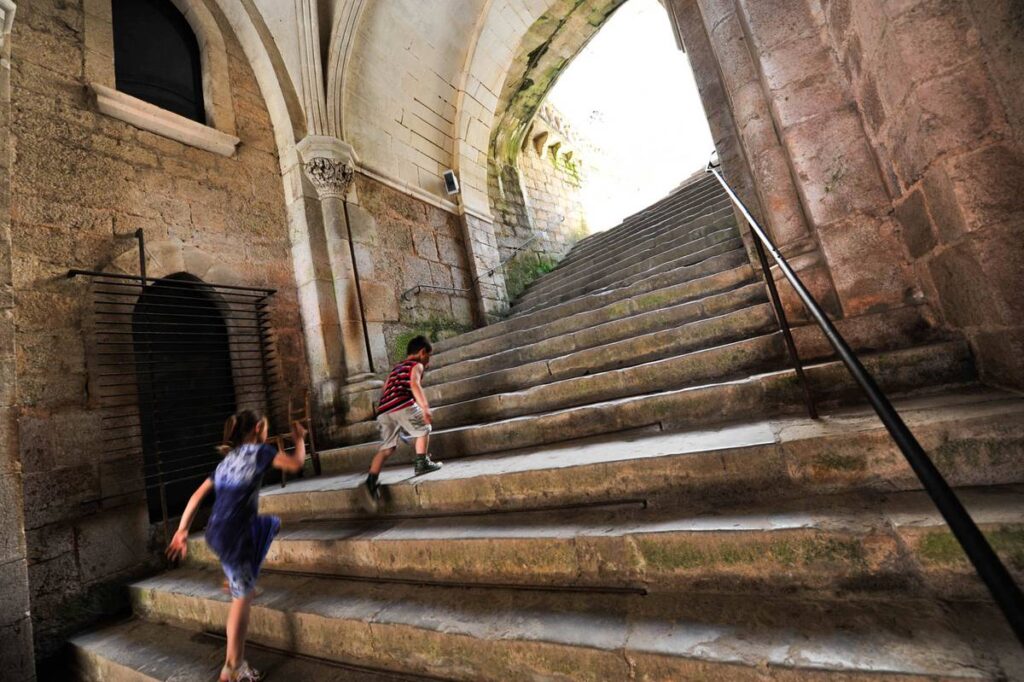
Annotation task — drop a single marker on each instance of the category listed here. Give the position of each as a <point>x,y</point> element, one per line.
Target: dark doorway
<point>186,388</point>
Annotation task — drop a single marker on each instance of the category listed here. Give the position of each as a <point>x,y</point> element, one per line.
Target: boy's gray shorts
<point>408,419</point>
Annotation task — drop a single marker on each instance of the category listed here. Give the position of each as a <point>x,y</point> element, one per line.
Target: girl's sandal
<point>243,673</point>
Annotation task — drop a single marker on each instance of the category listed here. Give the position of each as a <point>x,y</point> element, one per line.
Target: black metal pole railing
<point>430,287</point>
<point>989,567</point>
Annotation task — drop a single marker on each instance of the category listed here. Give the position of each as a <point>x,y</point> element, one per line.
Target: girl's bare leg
<point>422,443</point>
<point>238,626</point>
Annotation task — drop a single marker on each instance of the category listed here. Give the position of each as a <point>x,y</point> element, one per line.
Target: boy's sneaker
<point>425,465</point>
<point>371,494</point>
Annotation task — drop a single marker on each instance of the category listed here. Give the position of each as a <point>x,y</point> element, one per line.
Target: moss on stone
<point>834,461</point>
<point>435,328</point>
<point>790,552</point>
<point>941,547</point>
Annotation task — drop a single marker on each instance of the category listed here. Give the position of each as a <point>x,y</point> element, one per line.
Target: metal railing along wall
<point>453,290</point>
<point>989,567</point>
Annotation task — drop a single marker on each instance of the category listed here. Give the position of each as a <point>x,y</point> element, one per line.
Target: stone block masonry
<point>402,242</point>
<point>81,184</point>
<point>948,140</point>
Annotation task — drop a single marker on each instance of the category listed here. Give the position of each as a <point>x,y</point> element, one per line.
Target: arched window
<point>156,56</point>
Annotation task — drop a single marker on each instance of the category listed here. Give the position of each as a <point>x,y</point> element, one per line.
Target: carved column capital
<point>331,178</point>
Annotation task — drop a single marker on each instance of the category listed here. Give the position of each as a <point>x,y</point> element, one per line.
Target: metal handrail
<point>515,252</point>
<point>990,568</point>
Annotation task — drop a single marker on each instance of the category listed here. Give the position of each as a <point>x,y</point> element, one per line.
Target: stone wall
<point>538,198</point>
<point>939,94</point>
<point>402,242</point>
<point>82,183</point>
<point>16,650</point>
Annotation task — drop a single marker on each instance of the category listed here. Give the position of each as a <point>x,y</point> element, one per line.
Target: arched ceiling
<point>415,87</point>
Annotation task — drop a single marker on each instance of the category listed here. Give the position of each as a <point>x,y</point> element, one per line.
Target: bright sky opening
<point>631,94</point>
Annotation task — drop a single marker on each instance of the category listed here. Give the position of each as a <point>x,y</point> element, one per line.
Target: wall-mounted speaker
<point>451,183</point>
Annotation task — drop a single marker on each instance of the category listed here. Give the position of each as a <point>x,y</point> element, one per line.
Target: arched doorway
<point>185,386</point>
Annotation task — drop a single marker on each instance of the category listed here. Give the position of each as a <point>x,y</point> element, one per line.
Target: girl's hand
<point>298,431</point>
<point>178,548</point>
<point>427,417</point>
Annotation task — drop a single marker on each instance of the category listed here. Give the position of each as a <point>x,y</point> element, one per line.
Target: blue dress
<point>236,531</point>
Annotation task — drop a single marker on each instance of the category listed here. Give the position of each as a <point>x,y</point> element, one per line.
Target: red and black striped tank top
<point>397,392</point>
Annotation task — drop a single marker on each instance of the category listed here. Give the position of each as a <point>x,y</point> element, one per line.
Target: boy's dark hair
<point>418,343</point>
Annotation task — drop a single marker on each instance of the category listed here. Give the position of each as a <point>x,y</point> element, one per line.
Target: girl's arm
<point>293,462</point>
<point>178,547</point>
<point>417,392</point>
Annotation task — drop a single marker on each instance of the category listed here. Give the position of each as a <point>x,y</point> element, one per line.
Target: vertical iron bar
<point>989,566</point>
<point>141,236</point>
<point>359,286</point>
<point>780,312</point>
<point>787,334</point>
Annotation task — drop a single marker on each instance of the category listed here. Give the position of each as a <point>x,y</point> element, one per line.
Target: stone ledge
<point>162,122</point>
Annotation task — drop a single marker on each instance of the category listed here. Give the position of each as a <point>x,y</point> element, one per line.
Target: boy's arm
<point>178,547</point>
<point>417,392</point>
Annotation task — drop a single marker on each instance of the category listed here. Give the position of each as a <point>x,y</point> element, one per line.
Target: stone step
<point>933,365</point>
<point>649,264</point>
<point>622,282</point>
<point>729,309</point>
<point>671,203</point>
<point>681,230</point>
<point>857,545</point>
<point>664,361</point>
<point>525,330</point>
<point>718,265</point>
<point>673,228</point>
<point>975,437</point>
<point>493,634</point>
<point>642,257</point>
<point>137,651</point>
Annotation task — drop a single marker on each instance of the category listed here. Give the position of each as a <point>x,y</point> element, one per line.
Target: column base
<point>357,396</point>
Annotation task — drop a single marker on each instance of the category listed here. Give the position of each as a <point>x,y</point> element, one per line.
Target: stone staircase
<point>631,491</point>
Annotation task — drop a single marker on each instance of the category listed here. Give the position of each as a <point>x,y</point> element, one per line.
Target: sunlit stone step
<point>975,438</point>
<point>501,634</point>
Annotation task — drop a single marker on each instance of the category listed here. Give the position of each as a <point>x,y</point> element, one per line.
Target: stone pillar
<point>484,261</point>
<point>328,165</point>
<point>17,660</point>
<point>766,157</point>
<point>835,171</point>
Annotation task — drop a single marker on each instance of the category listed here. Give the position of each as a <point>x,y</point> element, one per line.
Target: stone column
<point>767,158</point>
<point>16,652</point>
<point>328,165</point>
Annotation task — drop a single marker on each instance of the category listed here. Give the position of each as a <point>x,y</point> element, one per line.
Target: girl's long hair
<point>237,428</point>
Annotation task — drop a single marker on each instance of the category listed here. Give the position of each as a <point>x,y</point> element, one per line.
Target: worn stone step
<point>715,265</point>
<point>676,229</point>
<point>724,239</point>
<point>721,248</point>
<point>867,545</point>
<point>713,320</point>
<point>138,650</point>
<point>676,234</point>
<point>492,634</point>
<point>976,438</point>
<point>643,257</point>
<point>710,294</point>
<point>631,223</point>
<point>933,365</point>
<point>602,374</point>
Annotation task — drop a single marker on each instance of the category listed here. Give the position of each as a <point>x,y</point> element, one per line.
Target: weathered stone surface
<point>918,234</point>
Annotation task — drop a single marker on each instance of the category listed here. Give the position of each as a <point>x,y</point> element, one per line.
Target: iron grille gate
<point>172,359</point>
